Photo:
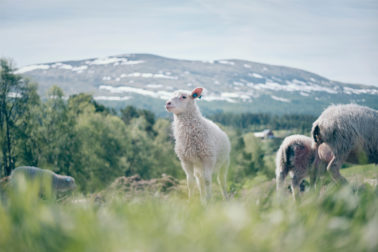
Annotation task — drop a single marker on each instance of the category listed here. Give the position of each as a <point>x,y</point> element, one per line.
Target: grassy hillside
<point>331,219</point>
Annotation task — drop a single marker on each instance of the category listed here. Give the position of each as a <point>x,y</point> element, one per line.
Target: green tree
<point>80,103</point>
<point>59,145</point>
<point>28,137</point>
<point>129,113</point>
<point>15,93</point>
<point>104,150</point>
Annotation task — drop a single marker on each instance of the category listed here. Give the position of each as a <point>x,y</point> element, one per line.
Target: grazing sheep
<point>349,130</point>
<point>59,183</point>
<point>295,156</point>
<point>300,157</point>
<point>202,147</point>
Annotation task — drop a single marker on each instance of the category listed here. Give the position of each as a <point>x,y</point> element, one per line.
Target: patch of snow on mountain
<point>236,83</point>
<point>247,66</point>
<point>226,62</point>
<point>304,94</point>
<point>218,98</point>
<point>154,86</point>
<point>149,75</point>
<point>132,62</point>
<point>112,98</point>
<point>164,76</point>
<point>102,61</point>
<point>233,97</point>
<point>113,60</point>
<point>295,81</point>
<point>62,66</point>
<point>106,78</point>
<point>280,99</point>
<point>292,86</point>
<point>125,89</point>
<point>32,68</point>
<point>256,75</point>
<point>349,90</point>
<point>79,69</point>
<point>228,97</point>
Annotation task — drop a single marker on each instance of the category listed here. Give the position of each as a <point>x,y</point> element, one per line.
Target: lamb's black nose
<point>169,103</point>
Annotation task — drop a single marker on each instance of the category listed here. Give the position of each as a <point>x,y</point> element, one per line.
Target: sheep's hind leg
<point>295,182</point>
<point>188,168</point>
<point>222,179</point>
<point>334,167</point>
<point>203,177</point>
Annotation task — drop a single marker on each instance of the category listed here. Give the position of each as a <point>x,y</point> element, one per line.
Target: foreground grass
<point>254,220</point>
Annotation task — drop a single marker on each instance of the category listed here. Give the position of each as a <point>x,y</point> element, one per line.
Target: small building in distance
<point>265,134</point>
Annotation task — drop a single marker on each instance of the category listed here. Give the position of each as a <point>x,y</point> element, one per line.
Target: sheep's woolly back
<point>289,157</point>
<point>197,138</point>
<point>348,127</point>
<point>59,182</point>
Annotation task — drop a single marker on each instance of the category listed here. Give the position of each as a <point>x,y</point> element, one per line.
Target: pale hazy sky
<point>334,38</point>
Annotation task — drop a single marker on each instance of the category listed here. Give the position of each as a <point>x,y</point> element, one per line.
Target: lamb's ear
<point>196,93</point>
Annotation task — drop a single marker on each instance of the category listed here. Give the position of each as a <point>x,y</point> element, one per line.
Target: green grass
<point>367,171</point>
<point>255,219</point>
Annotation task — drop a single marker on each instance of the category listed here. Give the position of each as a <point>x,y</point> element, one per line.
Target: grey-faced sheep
<point>347,129</point>
<point>202,147</point>
<point>59,183</point>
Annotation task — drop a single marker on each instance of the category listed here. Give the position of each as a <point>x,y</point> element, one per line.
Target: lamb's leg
<point>334,167</point>
<point>200,178</point>
<point>203,176</point>
<point>208,179</point>
<point>295,182</point>
<point>188,168</point>
<point>280,179</point>
<point>222,179</point>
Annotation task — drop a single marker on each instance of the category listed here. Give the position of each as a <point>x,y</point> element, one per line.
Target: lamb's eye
<point>183,97</point>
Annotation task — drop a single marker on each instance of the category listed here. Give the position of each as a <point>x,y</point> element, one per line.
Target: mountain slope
<point>146,80</point>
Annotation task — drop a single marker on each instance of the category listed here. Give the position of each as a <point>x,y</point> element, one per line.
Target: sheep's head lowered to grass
<point>183,101</point>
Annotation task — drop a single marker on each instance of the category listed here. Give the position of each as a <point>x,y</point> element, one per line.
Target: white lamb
<point>202,147</point>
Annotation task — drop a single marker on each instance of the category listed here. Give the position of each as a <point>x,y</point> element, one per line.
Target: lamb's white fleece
<point>201,145</point>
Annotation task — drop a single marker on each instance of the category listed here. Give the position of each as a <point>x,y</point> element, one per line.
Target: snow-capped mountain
<point>146,80</point>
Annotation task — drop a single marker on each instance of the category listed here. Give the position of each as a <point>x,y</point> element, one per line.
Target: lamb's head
<point>183,101</point>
